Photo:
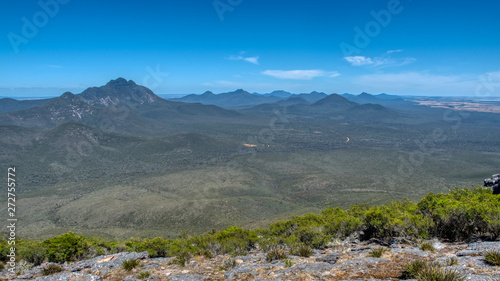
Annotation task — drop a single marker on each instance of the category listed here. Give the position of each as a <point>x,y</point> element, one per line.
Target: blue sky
<point>448,48</point>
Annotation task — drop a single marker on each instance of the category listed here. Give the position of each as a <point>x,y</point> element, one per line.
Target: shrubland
<point>454,216</point>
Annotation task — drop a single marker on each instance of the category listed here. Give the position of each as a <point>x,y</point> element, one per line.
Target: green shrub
<point>182,258</point>
<point>434,273</point>
<point>51,269</point>
<point>236,240</point>
<point>427,246</point>
<point>492,257</point>
<point>2,266</point>
<point>424,271</point>
<point>67,247</point>
<point>32,251</point>
<point>130,264</point>
<point>276,253</point>
<point>288,263</point>
<point>412,270</point>
<point>144,275</point>
<point>377,252</point>
<point>302,250</point>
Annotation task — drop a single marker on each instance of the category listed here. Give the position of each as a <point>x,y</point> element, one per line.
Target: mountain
<point>333,102</point>
<point>313,96</point>
<point>119,92</point>
<point>280,94</point>
<point>8,104</point>
<point>270,107</point>
<point>237,99</point>
<point>121,106</point>
<point>383,99</point>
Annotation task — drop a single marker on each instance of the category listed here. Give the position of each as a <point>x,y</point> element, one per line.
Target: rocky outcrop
<point>345,261</point>
<point>493,183</point>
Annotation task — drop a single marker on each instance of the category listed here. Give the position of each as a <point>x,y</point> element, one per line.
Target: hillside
<point>8,104</point>
<point>398,241</point>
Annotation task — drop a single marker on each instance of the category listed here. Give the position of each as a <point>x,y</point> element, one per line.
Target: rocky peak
<point>119,91</point>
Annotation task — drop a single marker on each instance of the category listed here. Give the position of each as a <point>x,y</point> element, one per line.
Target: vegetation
<point>143,275</point>
<point>51,269</point>
<point>302,250</point>
<point>128,265</point>
<point>477,210</point>
<point>427,246</point>
<point>377,252</point>
<point>492,257</point>
<point>277,253</point>
<point>424,271</point>
<point>452,261</point>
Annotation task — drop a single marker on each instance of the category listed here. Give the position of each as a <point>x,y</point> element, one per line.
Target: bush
<point>377,252</point>
<point>130,264</point>
<point>427,246</point>
<point>182,258</point>
<point>32,251</point>
<point>67,247</point>
<point>434,273</point>
<point>276,253</point>
<point>303,251</point>
<point>51,269</point>
<point>143,275</point>
<point>492,257</point>
<point>424,271</point>
<point>412,270</point>
<point>236,240</point>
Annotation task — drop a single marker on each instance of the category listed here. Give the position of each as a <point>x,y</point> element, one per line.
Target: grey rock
<point>130,278</point>
<point>411,251</point>
<point>481,278</point>
<point>186,277</point>
<point>483,246</point>
<point>465,253</point>
<point>331,259</point>
<point>66,276</point>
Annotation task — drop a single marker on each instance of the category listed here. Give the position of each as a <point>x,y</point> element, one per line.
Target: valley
<point>131,164</point>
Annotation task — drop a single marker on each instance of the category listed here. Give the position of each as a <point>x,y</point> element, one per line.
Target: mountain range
<point>119,161</point>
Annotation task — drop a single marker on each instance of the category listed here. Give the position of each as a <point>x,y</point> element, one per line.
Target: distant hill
<point>383,99</point>
<point>313,96</point>
<point>120,105</point>
<point>333,101</point>
<point>280,94</point>
<point>237,99</point>
<point>8,104</point>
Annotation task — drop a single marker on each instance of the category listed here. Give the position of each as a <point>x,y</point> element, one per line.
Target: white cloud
<point>358,60</point>
<point>393,51</point>
<point>300,74</point>
<point>383,61</point>
<point>254,60</point>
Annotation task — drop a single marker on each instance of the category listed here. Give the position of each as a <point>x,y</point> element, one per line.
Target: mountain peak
<point>120,82</point>
<point>119,91</point>
<point>208,93</point>
<point>67,95</point>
